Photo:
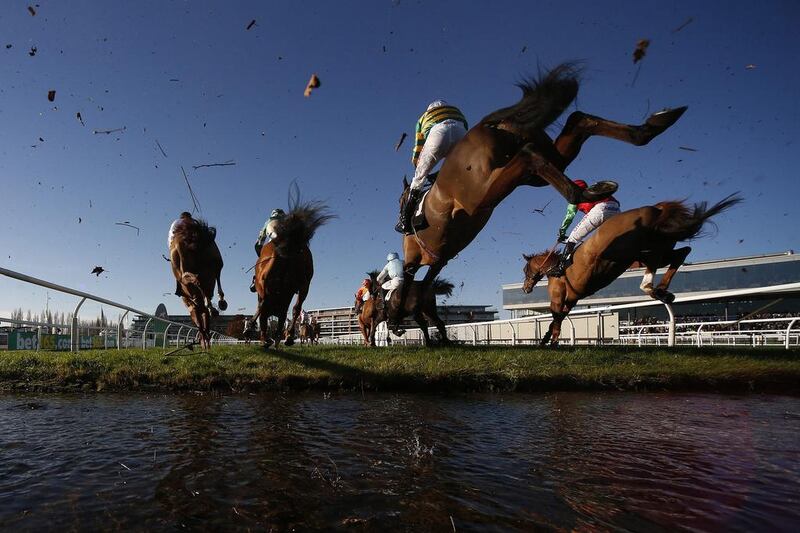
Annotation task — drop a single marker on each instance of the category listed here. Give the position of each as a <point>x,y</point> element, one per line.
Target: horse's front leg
<point>298,307</point>
<point>676,259</point>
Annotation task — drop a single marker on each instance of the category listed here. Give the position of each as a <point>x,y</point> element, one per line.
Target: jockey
<point>170,236</point>
<point>303,316</point>
<point>438,130</point>
<point>595,213</point>
<point>268,232</point>
<point>363,294</point>
<point>393,274</point>
<point>184,216</point>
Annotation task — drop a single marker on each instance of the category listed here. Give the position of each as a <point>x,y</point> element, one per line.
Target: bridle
<point>540,274</point>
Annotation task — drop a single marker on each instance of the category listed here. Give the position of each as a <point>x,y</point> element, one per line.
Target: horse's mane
<point>544,98</point>
<point>299,225</point>
<point>541,256</point>
<point>440,286</point>
<point>195,233</point>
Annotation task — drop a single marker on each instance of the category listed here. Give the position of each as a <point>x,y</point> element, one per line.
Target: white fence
<point>599,325</point>
<point>144,340</point>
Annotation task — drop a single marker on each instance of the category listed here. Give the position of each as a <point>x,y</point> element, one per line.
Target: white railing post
<point>178,336</point>
<point>119,329</point>
<point>76,335</point>
<point>187,336</point>
<point>788,329</point>
<point>164,340</point>
<point>144,333</point>
<point>571,331</point>
<point>513,335</point>
<point>671,330</point>
<point>474,336</point>
<point>699,336</point>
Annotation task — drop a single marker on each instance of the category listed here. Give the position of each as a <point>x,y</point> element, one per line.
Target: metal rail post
<point>699,337</point>
<point>571,331</point>
<point>75,339</point>
<point>178,336</point>
<point>513,335</point>
<point>119,329</point>
<point>144,333</point>
<point>671,330</point>
<point>788,329</point>
<point>164,340</point>
<point>187,336</point>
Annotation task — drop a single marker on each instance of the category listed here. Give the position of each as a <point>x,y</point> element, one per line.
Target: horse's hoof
<point>665,118</point>
<point>599,191</point>
<point>214,313</point>
<point>288,341</point>
<point>223,305</point>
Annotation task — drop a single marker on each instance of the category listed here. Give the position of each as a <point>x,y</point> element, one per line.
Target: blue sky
<point>239,96</point>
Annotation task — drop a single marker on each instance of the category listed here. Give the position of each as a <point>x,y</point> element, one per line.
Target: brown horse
<point>506,149</point>
<point>647,235</point>
<point>419,303</point>
<point>313,330</point>
<point>197,265</point>
<point>285,268</point>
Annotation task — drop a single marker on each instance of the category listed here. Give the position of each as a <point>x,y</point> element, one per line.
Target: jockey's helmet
<point>186,214</point>
<point>392,256</point>
<point>580,183</point>
<point>436,103</point>
<point>277,213</point>
<point>367,282</point>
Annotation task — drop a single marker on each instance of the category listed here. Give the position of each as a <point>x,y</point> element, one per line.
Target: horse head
<point>537,266</point>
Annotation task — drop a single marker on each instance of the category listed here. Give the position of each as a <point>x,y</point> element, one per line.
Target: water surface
<point>646,462</point>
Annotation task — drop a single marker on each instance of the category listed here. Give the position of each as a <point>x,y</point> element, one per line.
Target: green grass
<point>461,368</point>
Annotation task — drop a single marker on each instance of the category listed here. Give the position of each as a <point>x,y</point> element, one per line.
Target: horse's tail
<point>195,234</point>
<point>442,287</point>
<point>678,221</point>
<point>543,100</point>
<point>299,225</point>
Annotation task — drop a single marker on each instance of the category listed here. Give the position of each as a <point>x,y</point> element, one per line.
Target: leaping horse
<point>646,235</point>
<point>285,268</point>
<point>197,265</point>
<point>506,149</point>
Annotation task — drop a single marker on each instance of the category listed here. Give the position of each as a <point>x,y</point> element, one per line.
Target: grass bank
<point>462,368</point>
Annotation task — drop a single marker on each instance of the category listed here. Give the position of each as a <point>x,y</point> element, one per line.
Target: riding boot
<point>407,211</point>
<point>564,260</point>
<point>178,288</point>
<point>253,285</point>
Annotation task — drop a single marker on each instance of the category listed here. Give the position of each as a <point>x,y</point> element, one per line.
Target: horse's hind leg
<point>423,324</point>
<point>676,259</point>
<point>580,126</point>
<point>439,323</point>
<point>547,171</point>
<point>223,305</point>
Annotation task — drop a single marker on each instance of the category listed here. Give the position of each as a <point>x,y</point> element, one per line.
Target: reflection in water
<point>577,461</point>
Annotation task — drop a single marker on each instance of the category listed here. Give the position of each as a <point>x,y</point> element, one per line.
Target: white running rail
<point>74,331</point>
<point>508,331</point>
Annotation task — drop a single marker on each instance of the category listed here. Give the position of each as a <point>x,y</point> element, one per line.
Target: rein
<point>257,263</point>
<point>549,253</point>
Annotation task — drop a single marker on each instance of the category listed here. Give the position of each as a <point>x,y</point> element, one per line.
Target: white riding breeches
<point>591,220</point>
<point>392,285</point>
<point>441,139</point>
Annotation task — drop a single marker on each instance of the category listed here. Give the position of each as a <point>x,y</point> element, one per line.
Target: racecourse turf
<point>414,369</point>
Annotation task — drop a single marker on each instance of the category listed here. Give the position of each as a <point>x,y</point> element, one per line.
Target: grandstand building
<point>704,277</point>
